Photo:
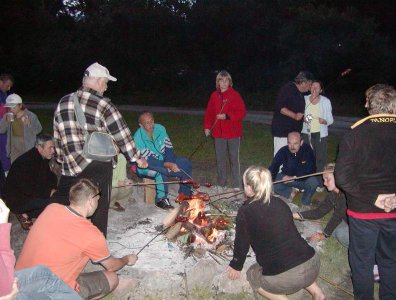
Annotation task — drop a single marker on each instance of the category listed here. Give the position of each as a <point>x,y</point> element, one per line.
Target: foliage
<point>171,49</point>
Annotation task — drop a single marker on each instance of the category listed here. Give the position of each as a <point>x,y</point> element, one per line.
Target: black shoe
<point>164,204</point>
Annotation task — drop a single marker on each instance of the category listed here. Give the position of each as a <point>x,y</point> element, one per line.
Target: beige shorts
<point>288,282</point>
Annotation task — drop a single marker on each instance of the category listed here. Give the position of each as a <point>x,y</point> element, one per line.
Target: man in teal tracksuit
<point>155,146</point>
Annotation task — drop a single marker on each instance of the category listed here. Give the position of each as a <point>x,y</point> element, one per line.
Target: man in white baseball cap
<point>13,100</point>
<point>101,115</point>
<point>98,71</point>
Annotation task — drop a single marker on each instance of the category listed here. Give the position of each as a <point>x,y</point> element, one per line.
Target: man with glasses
<point>101,115</point>
<point>64,240</point>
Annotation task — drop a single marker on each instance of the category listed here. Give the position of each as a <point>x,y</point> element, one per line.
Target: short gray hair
<point>41,139</point>
<point>381,99</point>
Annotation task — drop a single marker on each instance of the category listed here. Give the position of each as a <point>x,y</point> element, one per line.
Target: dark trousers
<point>100,173</point>
<point>319,146</point>
<point>32,208</point>
<point>373,241</point>
<point>227,150</point>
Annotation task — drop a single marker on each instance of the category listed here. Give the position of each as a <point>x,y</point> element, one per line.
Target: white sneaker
<point>320,189</point>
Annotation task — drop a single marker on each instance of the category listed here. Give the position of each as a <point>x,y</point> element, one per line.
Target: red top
<point>230,103</point>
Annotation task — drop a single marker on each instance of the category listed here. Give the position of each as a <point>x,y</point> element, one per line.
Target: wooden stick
<point>300,177</point>
<point>151,183</point>
<point>211,215</point>
<point>336,286</point>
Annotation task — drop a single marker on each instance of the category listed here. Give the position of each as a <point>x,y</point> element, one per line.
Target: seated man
<point>64,240</point>
<point>297,159</point>
<point>30,182</point>
<point>337,226</point>
<point>155,146</point>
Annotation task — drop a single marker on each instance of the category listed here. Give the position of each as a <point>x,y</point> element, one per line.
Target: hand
<point>172,166</point>
<point>132,258</point>
<point>317,237</point>
<point>388,198</point>
<point>296,216</point>
<point>299,116</point>
<point>4,212</point>
<point>142,163</point>
<point>288,178</point>
<point>207,132</point>
<point>390,203</point>
<point>25,120</point>
<point>10,117</point>
<point>14,291</point>
<point>232,273</point>
<point>221,116</point>
<point>322,121</point>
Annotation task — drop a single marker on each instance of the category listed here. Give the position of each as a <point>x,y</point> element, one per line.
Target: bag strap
<point>79,113</point>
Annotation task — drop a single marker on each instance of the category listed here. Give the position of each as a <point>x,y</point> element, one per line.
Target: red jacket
<point>233,107</point>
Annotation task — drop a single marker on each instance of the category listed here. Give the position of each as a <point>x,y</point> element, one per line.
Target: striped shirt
<point>101,115</point>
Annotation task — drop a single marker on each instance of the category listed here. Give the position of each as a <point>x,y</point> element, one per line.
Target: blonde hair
<point>260,180</point>
<point>223,74</point>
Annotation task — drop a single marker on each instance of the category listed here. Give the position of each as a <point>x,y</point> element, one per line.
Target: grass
<point>186,133</point>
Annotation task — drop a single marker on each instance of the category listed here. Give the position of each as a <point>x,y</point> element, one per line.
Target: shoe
<point>305,207</point>
<point>26,223</point>
<point>320,189</point>
<point>117,207</point>
<point>164,204</point>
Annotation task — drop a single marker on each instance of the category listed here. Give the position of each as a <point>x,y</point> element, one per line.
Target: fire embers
<point>192,225</point>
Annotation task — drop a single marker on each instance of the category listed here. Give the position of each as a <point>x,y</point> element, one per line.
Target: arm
<point>4,124</point>
<point>324,207</point>
<point>210,113</point>
<point>34,123</point>
<point>241,243</point>
<point>307,165</point>
<point>113,264</point>
<point>291,114</point>
<point>7,258</point>
<point>327,113</point>
<point>238,110</point>
<point>345,169</point>
<point>275,164</point>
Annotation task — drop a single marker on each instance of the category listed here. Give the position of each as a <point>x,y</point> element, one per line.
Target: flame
<point>195,207</point>
<point>212,237</point>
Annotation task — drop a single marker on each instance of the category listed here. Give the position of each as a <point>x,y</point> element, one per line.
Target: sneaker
<point>320,189</point>
<point>164,204</point>
<point>117,207</point>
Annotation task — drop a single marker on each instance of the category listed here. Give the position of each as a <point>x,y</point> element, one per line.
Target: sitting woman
<point>285,262</point>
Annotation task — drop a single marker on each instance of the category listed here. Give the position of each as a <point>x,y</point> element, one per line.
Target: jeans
<point>319,146</point>
<point>373,241</point>
<point>341,233</point>
<point>309,186</point>
<point>39,283</point>
<point>159,173</point>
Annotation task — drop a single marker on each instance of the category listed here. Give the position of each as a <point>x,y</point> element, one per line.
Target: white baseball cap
<point>97,70</point>
<point>12,100</point>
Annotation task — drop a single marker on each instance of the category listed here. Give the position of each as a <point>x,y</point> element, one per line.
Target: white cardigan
<point>325,113</point>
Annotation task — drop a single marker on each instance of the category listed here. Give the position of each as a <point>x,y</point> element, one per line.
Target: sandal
<point>26,223</point>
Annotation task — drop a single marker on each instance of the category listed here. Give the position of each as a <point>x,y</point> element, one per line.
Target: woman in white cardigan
<point>317,119</point>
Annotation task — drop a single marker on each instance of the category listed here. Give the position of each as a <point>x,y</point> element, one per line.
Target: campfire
<point>191,223</point>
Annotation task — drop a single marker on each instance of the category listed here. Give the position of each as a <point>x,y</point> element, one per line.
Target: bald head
<point>294,141</point>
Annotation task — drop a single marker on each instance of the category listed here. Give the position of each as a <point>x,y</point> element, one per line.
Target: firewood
<point>173,231</point>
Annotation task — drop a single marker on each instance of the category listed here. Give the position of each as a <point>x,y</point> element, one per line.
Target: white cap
<point>97,70</point>
<point>12,100</point>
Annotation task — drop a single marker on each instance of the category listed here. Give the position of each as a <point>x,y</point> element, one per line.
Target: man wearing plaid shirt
<point>101,115</point>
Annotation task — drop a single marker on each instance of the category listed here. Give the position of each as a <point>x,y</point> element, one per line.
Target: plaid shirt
<point>101,115</point>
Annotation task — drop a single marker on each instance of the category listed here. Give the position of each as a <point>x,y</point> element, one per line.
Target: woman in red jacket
<point>223,120</point>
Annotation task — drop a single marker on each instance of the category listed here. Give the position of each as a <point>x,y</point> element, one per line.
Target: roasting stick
<point>300,177</point>
<point>155,183</point>
<point>336,285</point>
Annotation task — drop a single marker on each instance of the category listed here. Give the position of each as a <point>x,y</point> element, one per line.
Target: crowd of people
<point>77,199</point>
